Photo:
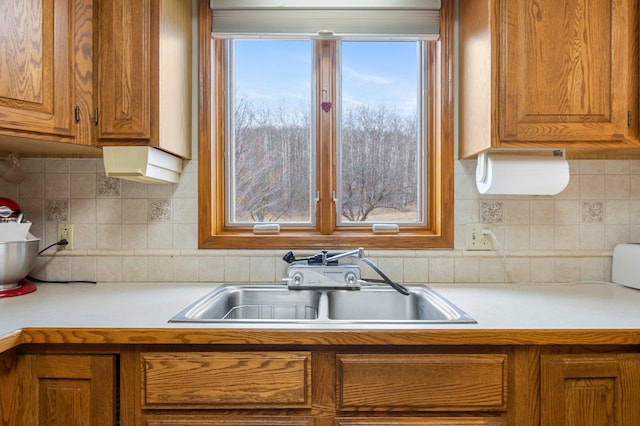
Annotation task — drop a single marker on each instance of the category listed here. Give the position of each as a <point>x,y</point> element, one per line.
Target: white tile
<point>517,212</point>
<point>85,235</point>
<point>82,268</point>
<point>134,210</point>
<point>567,212</point>
<point>516,238</point>
<point>617,212</point>
<point>263,269</point>
<point>83,210</point>
<point>592,237</point>
<point>211,269</point>
<point>491,271</point>
<point>135,269</point>
<point>567,237</point>
<point>161,269</point>
<point>185,236</point>
<point>542,237</point>
<point>58,269</point>
<point>185,268</point>
<point>567,270</point>
<point>57,185</point>
<point>108,236</point>
<point>441,270</point>
<point>617,187</point>
<point>591,186</point>
<point>132,189</point>
<point>467,270</point>
<point>160,235</point>
<point>57,165</point>
<point>134,236</point>
<point>541,270</point>
<point>109,210</point>
<point>416,270</point>
<point>542,212</point>
<point>594,269</point>
<point>237,269</point>
<point>109,269</point>
<point>83,185</point>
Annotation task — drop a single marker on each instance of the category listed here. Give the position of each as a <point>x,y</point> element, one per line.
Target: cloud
<point>366,78</point>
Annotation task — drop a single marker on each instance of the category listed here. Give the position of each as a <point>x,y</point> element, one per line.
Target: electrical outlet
<point>65,232</point>
<point>476,240</point>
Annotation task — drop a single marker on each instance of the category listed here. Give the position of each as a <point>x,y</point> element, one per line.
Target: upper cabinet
<point>548,74</point>
<point>46,83</point>
<point>143,50</point>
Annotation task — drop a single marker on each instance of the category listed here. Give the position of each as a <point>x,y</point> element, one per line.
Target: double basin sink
<point>279,304</point>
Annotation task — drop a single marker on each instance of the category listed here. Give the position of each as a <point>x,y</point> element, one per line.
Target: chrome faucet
<point>323,271</point>
<point>357,253</point>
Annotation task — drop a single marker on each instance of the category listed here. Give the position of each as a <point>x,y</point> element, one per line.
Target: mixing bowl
<point>16,260</point>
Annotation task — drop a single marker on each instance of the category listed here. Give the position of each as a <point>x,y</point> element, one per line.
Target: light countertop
<point>495,307</point>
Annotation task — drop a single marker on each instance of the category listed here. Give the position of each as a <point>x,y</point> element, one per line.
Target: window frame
<point>212,233</point>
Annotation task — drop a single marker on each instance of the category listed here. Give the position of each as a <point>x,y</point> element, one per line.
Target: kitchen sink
<point>276,303</point>
<point>386,304</point>
<point>259,302</point>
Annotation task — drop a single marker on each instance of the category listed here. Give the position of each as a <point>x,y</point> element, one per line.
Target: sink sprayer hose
<point>385,279</point>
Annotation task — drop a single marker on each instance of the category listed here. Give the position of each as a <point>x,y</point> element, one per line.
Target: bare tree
<point>379,154</point>
<point>379,157</point>
<point>272,155</point>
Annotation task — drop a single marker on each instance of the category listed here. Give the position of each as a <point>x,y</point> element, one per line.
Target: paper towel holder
<point>483,158</point>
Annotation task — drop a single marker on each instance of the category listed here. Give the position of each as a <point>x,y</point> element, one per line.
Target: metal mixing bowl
<point>16,260</point>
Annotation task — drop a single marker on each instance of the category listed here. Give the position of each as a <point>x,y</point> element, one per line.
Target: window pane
<point>380,148</point>
<point>270,153</point>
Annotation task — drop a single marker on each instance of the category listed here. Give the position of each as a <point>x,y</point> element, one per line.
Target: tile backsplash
<point>127,231</point>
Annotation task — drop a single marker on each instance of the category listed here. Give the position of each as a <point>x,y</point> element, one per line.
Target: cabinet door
<point>590,390</point>
<point>125,49</point>
<point>566,71</point>
<point>46,69</point>
<point>67,390</point>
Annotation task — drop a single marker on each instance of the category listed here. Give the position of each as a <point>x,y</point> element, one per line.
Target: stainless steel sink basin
<point>259,302</point>
<point>277,303</point>
<point>386,304</point>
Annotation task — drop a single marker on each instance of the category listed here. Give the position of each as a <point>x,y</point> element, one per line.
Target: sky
<point>374,73</point>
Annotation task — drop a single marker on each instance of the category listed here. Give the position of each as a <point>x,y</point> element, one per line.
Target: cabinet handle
<point>95,116</point>
<point>628,118</point>
<point>76,112</point>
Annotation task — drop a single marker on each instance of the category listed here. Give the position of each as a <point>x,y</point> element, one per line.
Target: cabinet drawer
<point>227,379</point>
<point>422,382</point>
<point>423,421</point>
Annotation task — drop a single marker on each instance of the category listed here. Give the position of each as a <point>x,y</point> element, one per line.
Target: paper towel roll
<point>521,174</point>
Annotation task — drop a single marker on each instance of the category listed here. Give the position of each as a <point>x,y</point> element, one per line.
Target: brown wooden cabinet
<point>322,387</point>
<point>590,390</point>
<point>65,390</point>
<point>318,385</point>
<point>548,74</point>
<point>143,50</point>
<point>46,83</point>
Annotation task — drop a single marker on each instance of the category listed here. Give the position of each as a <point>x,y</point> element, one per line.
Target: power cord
<point>62,242</point>
<point>499,249</point>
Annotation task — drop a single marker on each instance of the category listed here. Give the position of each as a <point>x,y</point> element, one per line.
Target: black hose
<point>385,279</point>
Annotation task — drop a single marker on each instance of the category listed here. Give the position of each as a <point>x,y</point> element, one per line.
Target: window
<point>327,140</point>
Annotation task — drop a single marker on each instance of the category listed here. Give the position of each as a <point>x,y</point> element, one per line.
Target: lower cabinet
<point>321,386</point>
<point>590,390</point>
<point>65,390</point>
